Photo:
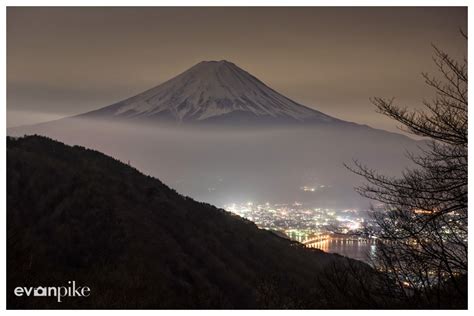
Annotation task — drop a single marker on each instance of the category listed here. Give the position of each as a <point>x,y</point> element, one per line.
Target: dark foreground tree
<point>423,227</point>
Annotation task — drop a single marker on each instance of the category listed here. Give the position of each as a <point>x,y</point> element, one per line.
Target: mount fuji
<point>212,92</point>
<point>204,132</point>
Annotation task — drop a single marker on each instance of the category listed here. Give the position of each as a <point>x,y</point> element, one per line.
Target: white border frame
<point>185,3</point>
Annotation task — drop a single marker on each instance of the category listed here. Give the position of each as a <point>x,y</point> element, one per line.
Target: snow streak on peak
<point>210,90</point>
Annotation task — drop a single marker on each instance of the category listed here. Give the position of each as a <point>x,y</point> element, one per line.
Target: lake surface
<point>359,250</point>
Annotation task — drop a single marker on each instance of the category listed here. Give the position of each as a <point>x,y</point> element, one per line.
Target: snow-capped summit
<point>212,91</point>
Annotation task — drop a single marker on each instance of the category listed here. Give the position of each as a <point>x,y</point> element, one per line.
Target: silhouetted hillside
<point>76,214</point>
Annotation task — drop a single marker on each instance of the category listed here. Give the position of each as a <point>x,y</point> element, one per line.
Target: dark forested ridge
<point>76,214</point>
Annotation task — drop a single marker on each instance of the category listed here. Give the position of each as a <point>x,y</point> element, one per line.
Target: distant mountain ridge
<point>174,131</point>
<point>212,91</point>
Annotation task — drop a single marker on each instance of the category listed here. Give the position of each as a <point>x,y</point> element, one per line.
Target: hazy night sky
<point>64,61</point>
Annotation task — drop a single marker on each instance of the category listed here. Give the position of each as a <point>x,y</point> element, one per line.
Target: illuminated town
<point>302,222</point>
<point>331,230</point>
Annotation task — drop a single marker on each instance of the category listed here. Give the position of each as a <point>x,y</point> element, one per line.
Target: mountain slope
<point>76,214</point>
<point>208,92</point>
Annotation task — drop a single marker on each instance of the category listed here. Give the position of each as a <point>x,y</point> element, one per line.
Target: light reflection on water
<point>359,250</point>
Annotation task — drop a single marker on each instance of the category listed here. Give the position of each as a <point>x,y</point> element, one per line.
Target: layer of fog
<point>222,166</point>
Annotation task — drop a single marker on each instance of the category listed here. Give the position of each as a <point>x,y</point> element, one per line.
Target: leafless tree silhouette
<point>423,228</point>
